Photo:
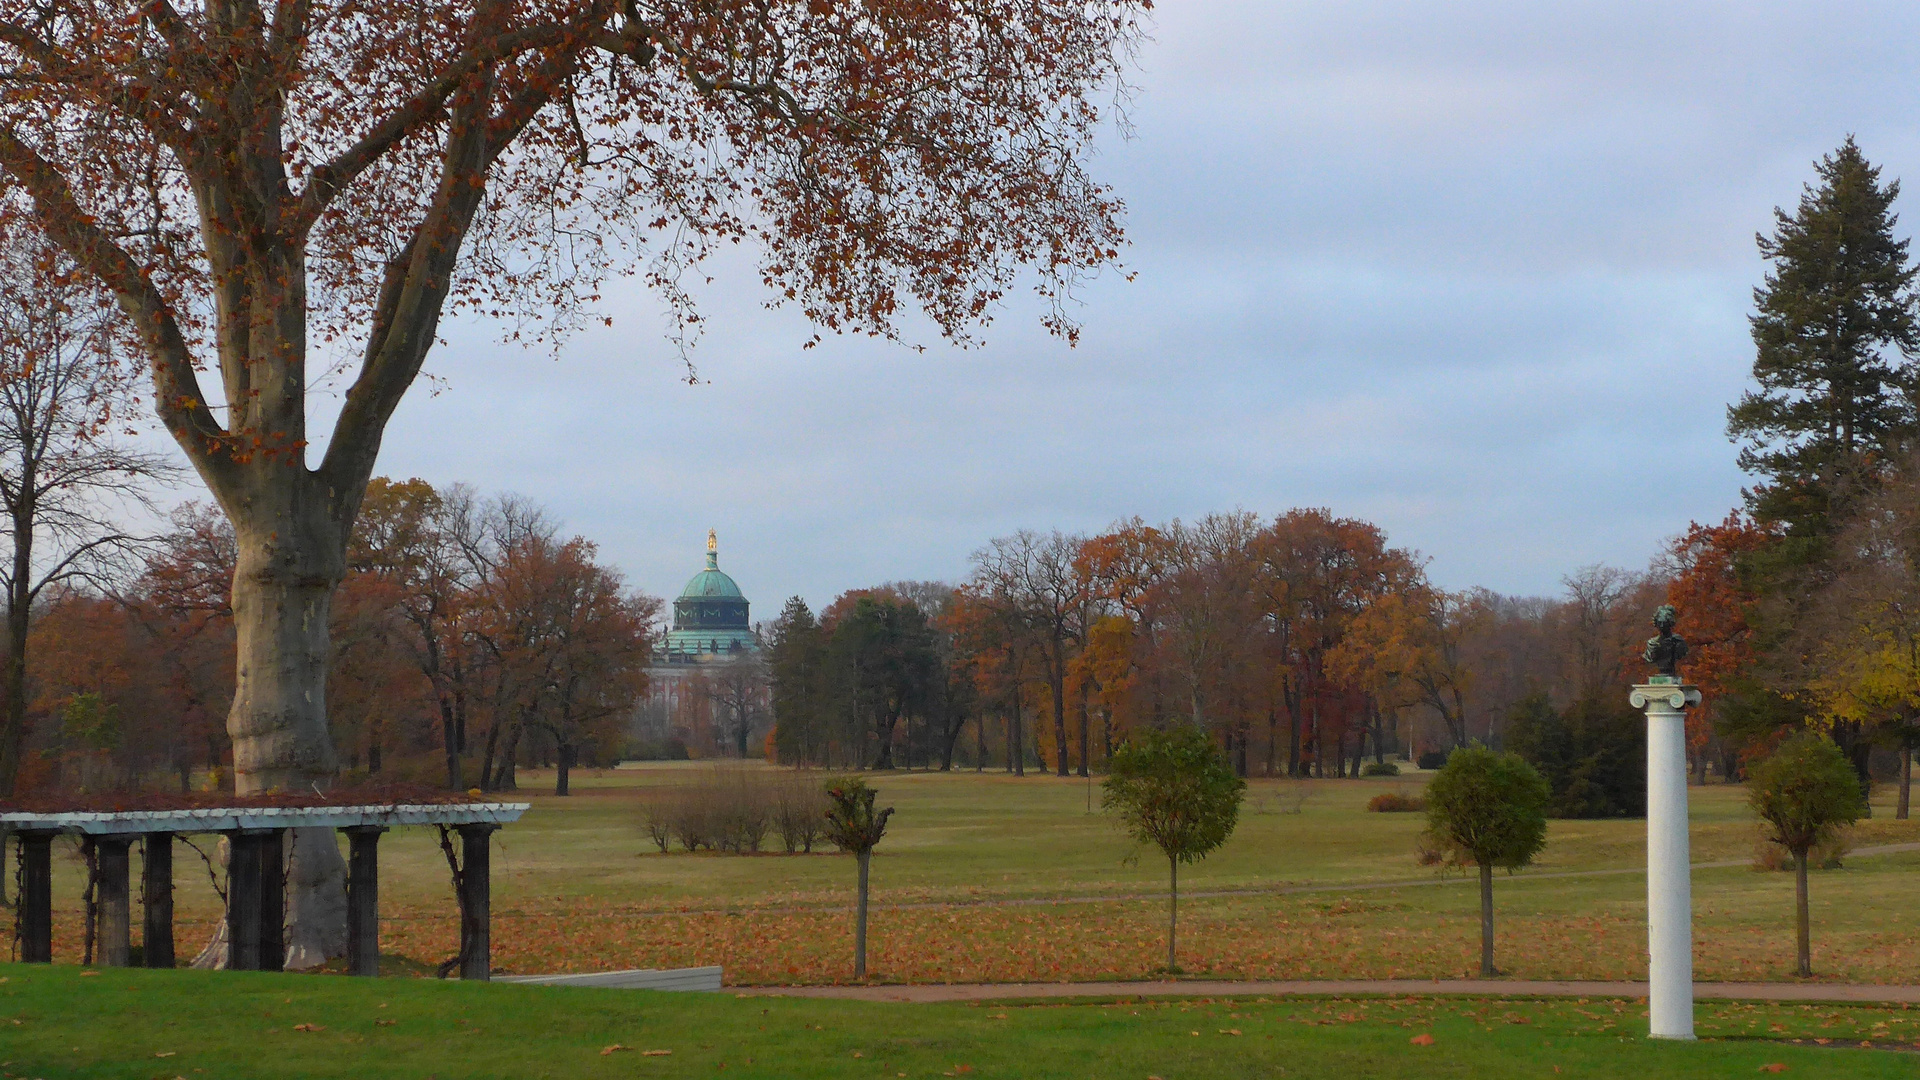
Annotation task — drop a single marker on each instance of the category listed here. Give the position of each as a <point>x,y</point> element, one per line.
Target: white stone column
<point>1669,881</point>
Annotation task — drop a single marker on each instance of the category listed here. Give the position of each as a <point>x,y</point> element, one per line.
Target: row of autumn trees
<point>469,635</point>
<point>1306,642</point>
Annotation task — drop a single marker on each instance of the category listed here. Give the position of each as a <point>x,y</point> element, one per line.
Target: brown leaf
<point>1422,1039</point>
<point>655,1053</point>
<point>1774,1066</point>
<point>309,1027</point>
<point>616,1046</point>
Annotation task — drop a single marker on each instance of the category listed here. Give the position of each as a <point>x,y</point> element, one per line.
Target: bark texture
<point>860,919</point>
<point>1802,931</point>
<point>1486,921</point>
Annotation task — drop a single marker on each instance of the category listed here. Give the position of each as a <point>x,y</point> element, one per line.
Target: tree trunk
<point>1313,740</point>
<point>450,744</point>
<point>1906,783</point>
<point>1802,936</point>
<point>563,763</point>
<point>13,744</point>
<point>1293,740</point>
<point>860,918</point>
<point>1173,911</point>
<point>1057,678</point>
<point>1017,744</point>
<point>282,593</point>
<point>1086,725</point>
<point>883,757</point>
<point>1486,921</point>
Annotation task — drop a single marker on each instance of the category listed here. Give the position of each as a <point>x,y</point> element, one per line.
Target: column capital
<point>1674,695</point>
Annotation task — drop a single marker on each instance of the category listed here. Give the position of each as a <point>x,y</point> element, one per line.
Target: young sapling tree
<point>1804,791</point>
<point>1487,809</point>
<point>1175,790</point>
<point>853,825</point>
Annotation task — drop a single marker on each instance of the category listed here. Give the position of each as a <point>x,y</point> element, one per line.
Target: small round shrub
<point>1432,759</point>
<point>1393,802</point>
<point>1380,768</point>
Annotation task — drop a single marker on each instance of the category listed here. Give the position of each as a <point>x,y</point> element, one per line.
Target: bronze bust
<point>1665,651</point>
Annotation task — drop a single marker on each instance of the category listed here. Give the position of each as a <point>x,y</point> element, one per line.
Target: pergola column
<point>114,898</point>
<point>256,907</point>
<point>273,902</point>
<point>36,896</point>
<point>363,898</point>
<point>476,901</point>
<point>243,901</point>
<point>156,899</point>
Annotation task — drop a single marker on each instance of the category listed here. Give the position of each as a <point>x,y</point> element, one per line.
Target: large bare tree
<point>270,190</point>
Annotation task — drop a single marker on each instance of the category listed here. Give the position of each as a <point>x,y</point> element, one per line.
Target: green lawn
<point>65,1022</point>
<point>965,882</point>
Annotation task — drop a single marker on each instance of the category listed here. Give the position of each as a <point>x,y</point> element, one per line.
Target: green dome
<point>711,582</point>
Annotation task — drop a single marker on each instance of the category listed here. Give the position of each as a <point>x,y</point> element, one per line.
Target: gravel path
<point>1741,991</point>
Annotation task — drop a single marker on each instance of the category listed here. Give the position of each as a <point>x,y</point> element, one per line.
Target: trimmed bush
<point>1432,759</point>
<point>1394,802</point>
<point>1380,768</point>
<point>733,809</point>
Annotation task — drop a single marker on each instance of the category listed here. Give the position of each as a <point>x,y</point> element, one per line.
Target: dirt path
<point>1745,991</point>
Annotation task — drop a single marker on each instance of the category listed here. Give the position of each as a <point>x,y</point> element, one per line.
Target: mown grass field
<point>993,878</point>
<point>134,1025</point>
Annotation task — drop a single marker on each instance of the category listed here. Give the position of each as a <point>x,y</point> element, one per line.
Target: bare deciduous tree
<point>67,482</point>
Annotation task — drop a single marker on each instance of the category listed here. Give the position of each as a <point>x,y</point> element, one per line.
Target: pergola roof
<point>230,818</point>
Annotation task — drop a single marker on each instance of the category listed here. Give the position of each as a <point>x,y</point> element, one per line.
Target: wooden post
<point>243,901</point>
<point>36,897</point>
<point>273,904</point>
<point>156,899</point>
<point>363,898</point>
<point>476,906</point>
<point>114,899</point>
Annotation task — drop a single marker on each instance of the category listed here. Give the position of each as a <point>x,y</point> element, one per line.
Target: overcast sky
<point>1477,273</point>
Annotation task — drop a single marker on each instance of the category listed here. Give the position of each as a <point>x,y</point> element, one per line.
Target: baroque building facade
<point>707,688</point>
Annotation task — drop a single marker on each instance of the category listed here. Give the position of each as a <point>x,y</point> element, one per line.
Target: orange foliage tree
<point>1706,587</point>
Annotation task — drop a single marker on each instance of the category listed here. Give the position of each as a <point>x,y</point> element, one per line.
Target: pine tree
<point>1834,327</point>
<point>796,664</point>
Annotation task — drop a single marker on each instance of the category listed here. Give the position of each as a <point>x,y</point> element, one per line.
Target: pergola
<point>256,938</point>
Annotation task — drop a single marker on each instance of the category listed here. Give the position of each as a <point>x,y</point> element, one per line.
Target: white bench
<point>696,978</point>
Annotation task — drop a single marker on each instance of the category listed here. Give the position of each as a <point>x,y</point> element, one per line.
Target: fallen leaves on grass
<point>309,1027</point>
<point>385,1023</point>
<point>615,1048</point>
<point>655,1053</point>
<point>1422,1039</point>
<point>166,1053</point>
<point>1774,1067</point>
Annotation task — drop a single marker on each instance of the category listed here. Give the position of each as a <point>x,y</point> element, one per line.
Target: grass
<point>62,1021</point>
<point>992,878</point>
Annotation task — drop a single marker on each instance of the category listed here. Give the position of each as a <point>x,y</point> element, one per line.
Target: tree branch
<point>177,394</point>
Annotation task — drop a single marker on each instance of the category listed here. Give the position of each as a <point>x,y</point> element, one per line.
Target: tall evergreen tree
<point>796,665</point>
<point>1833,331</point>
